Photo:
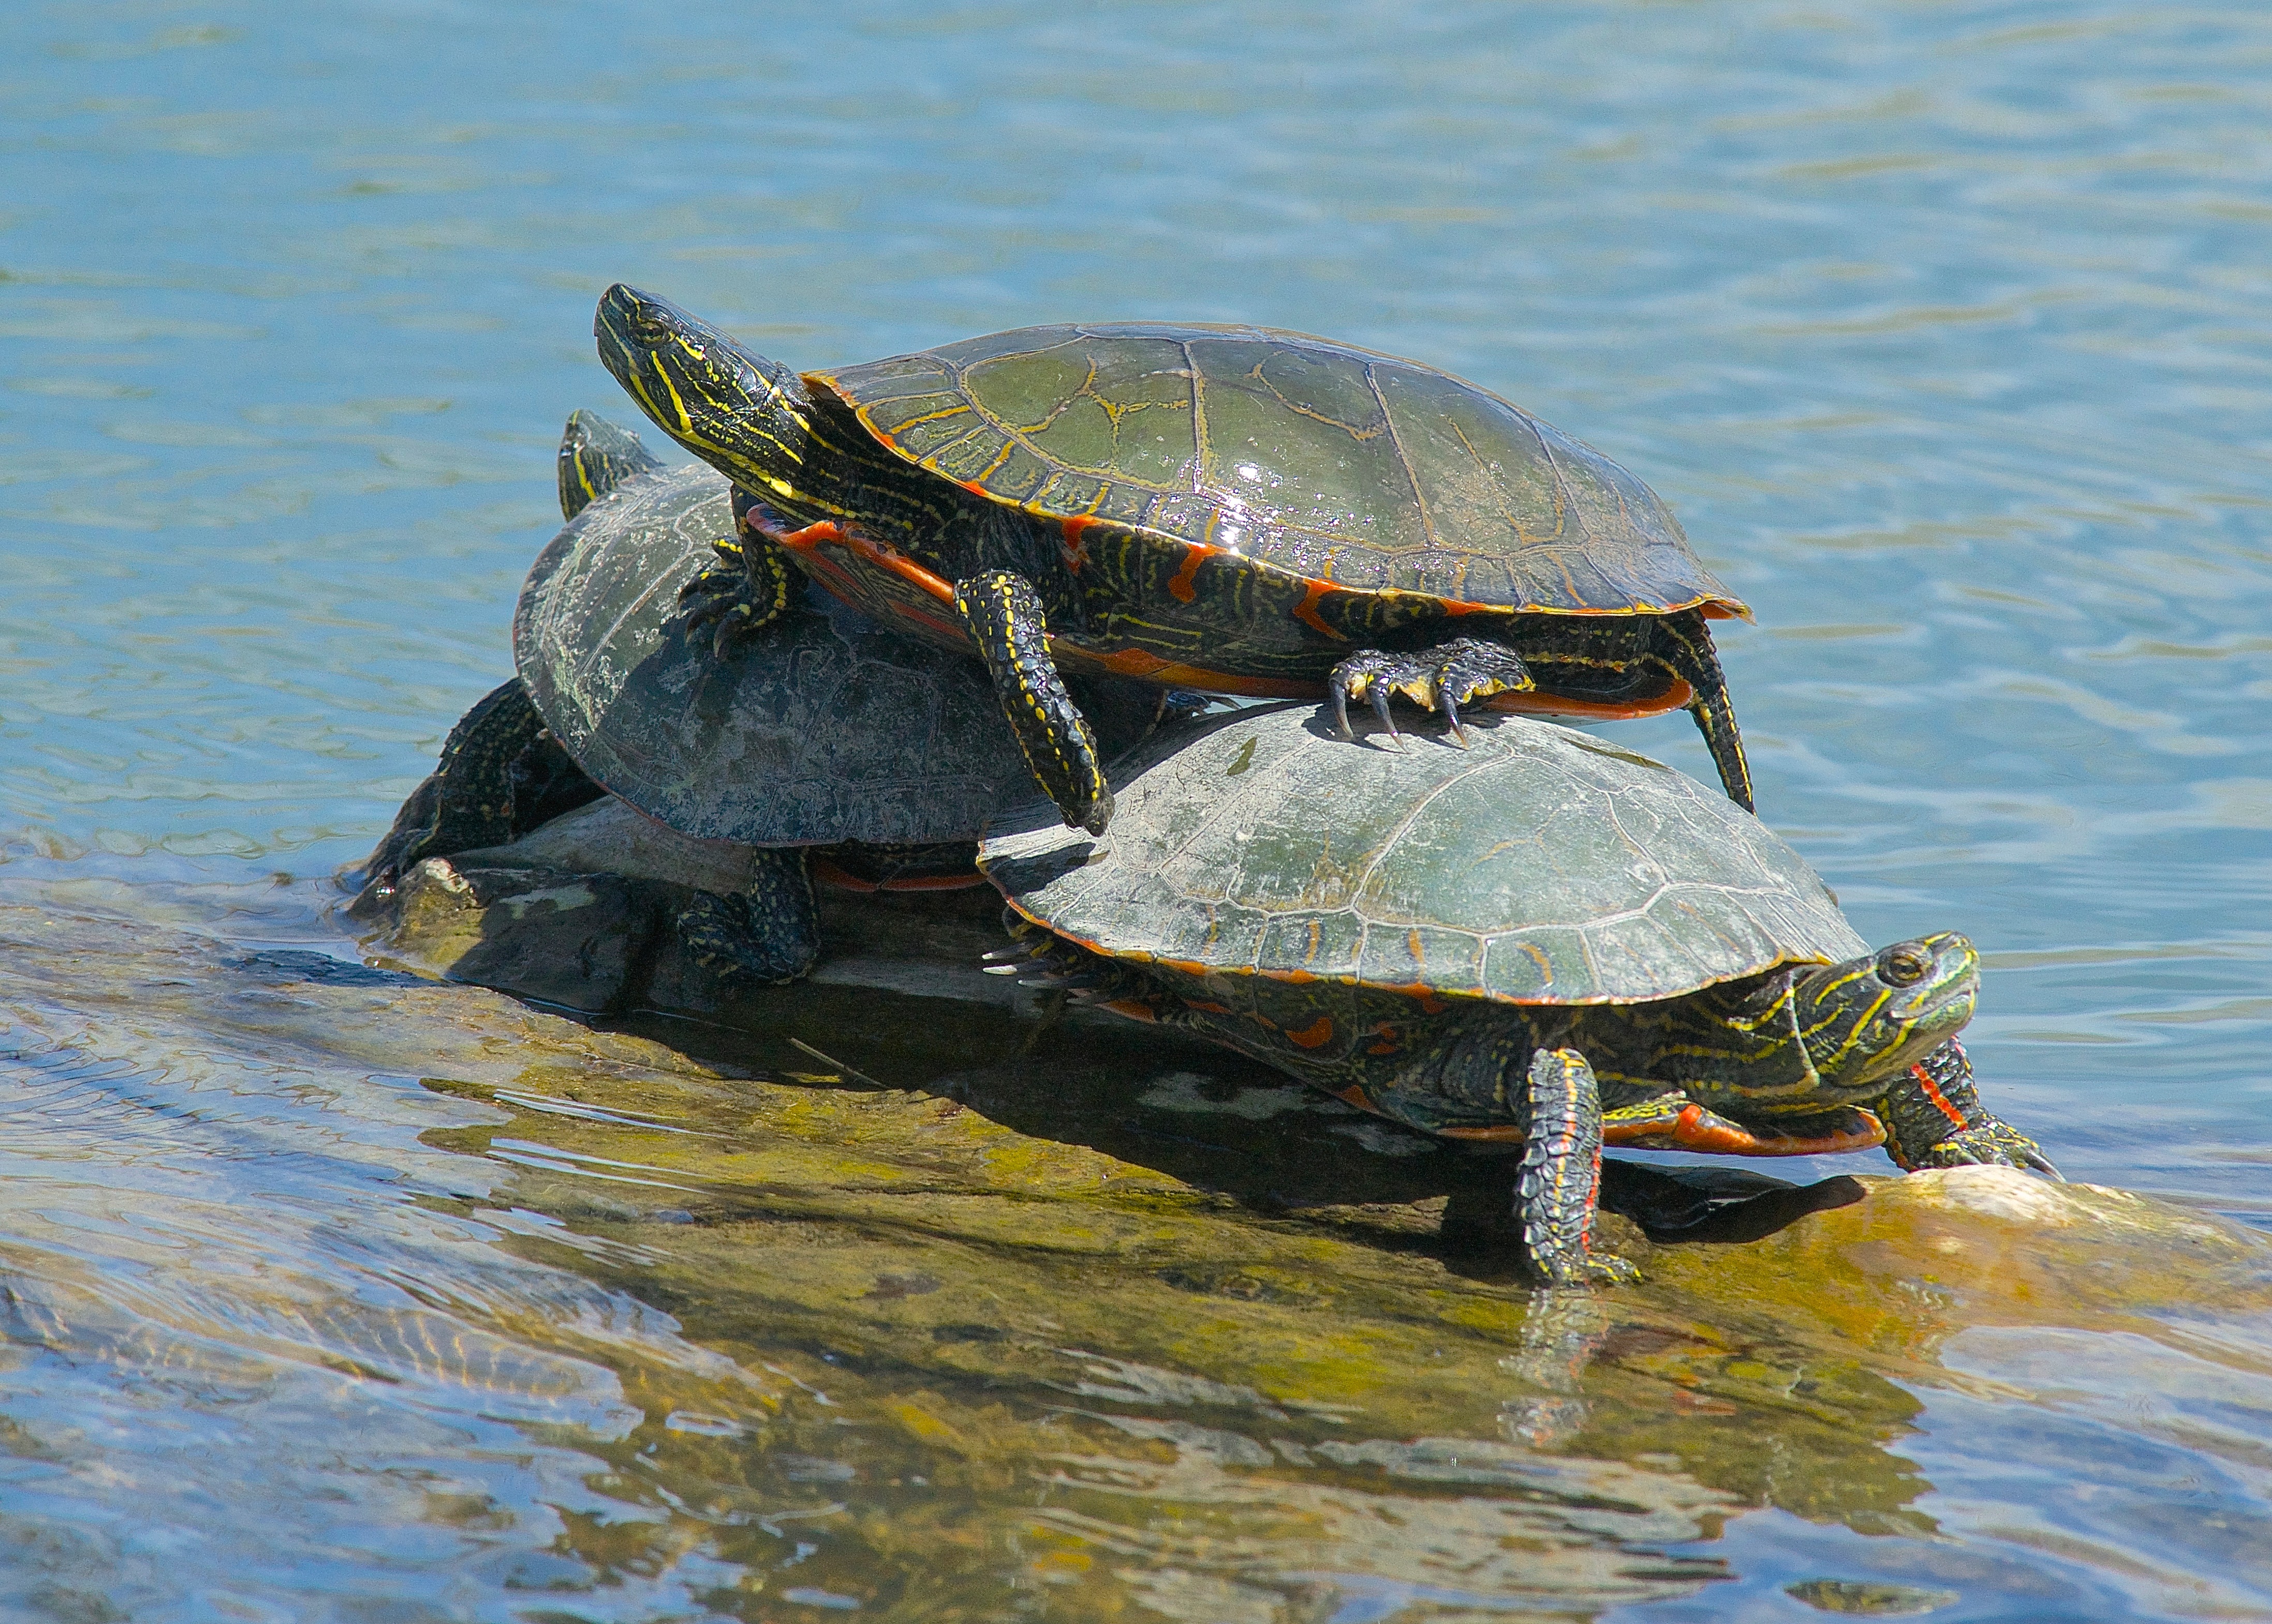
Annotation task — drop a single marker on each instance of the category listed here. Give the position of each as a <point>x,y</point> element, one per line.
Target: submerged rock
<point>1132,1320</point>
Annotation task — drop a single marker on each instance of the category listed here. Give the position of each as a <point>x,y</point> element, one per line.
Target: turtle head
<point>743,415</point>
<point>1864,1021</point>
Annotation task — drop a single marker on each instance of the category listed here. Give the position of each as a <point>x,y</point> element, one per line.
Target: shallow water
<point>1938,324</point>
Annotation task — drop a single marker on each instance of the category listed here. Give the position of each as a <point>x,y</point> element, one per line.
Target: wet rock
<point>580,940</point>
<point>583,913</point>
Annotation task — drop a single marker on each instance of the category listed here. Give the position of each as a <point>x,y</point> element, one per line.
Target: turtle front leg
<point>749,584</point>
<point>1443,678</point>
<point>767,934</point>
<point>1684,647</point>
<point>1934,1119</point>
<point>1003,614</point>
<point>467,801</point>
<point>1558,1192</point>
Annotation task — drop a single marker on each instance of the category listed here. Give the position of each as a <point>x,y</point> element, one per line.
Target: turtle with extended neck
<point>1542,939</point>
<point>1232,510</point>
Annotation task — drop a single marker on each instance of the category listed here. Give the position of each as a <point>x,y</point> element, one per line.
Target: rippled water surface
<point>1941,325</point>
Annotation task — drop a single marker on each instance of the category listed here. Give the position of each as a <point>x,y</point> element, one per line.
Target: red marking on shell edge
<point>1933,1093</point>
<point>1531,702</point>
<point>1317,1034</point>
<point>1497,1131</point>
<point>1131,1007</point>
<point>1212,1009</point>
<point>1699,1129</point>
<point>1354,1095</point>
<point>829,874</point>
<point>871,552</point>
<point>1148,667</point>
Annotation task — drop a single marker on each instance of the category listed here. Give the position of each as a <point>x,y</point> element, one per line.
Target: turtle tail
<point>1684,644</point>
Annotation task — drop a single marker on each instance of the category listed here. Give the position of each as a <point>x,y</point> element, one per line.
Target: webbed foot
<point>1004,618</point>
<point>749,584</point>
<point>1443,678</point>
<point>1558,1189</point>
<point>765,935</point>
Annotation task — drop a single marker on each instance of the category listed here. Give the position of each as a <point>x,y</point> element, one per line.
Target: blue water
<point>1941,326</point>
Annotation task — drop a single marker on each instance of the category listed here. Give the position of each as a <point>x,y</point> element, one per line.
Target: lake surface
<point>1940,325</point>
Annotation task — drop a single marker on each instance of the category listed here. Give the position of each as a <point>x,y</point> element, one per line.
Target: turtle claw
<point>1443,678</point>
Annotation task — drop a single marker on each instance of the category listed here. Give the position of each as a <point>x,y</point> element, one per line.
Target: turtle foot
<point>767,936</point>
<point>749,584</point>
<point>1992,1143</point>
<point>1443,678</point>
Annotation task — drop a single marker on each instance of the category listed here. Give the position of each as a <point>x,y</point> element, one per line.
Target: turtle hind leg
<point>467,801</point>
<point>1004,616</point>
<point>1558,1191</point>
<point>1443,678</point>
<point>750,584</point>
<point>1934,1119</point>
<point>766,934</point>
<point>1684,648</point>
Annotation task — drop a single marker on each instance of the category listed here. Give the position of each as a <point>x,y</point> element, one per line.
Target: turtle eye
<point>1905,966</point>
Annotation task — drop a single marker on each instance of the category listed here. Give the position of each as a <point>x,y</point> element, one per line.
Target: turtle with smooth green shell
<point>1234,510</point>
<point>1542,938</point>
<point>846,752</point>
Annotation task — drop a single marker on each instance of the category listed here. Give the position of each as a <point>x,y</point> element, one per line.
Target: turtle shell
<point>824,726</point>
<point>1329,462</point>
<point>1539,866</point>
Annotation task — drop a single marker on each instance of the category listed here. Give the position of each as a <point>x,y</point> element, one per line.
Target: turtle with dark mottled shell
<point>1542,938</point>
<point>1234,510</point>
<point>848,753</point>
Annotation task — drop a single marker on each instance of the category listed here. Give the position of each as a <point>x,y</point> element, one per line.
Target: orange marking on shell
<point>1134,1009</point>
<point>1531,702</point>
<point>1382,1048</point>
<point>1180,585</point>
<point>1213,1009</point>
<point>1076,530</point>
<point>1355,1096</point>
<point>1497,1130</point>
<point>1307,610</point>
<point>1316,1035</point>
<point>1933,1093</point>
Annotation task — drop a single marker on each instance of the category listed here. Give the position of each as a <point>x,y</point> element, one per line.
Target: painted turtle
<point>1544,939</point>
<point>851,753</point>
<point>1236,510</point>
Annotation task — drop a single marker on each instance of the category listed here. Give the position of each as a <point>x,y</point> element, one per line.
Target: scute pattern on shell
<point>823,727</point>
<point>1539,866</point>
<point>1328,461</point>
